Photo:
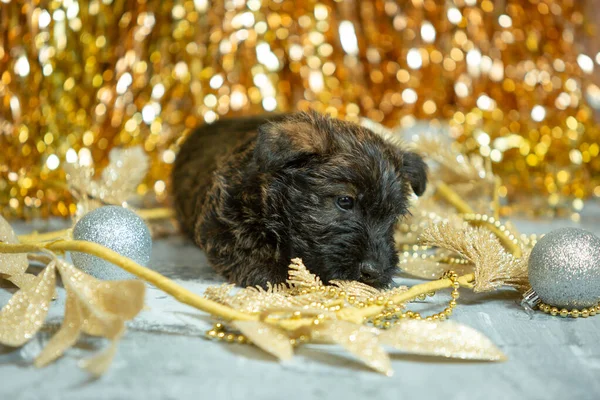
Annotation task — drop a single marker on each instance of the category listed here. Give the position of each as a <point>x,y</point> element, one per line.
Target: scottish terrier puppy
<point>256,192</point>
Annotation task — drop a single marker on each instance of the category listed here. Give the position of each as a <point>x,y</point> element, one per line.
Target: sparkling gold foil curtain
<point>80,77</point>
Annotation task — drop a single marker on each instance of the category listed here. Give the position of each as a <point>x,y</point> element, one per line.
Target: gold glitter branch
<point>494,267</point>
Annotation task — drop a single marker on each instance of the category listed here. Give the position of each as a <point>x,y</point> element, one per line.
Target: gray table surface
<point>164,354</point>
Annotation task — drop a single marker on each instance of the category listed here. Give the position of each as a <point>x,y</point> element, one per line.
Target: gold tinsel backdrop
<point>511,79</point>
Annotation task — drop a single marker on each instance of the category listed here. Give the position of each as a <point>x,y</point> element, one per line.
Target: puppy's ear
<point>415,170</point>
<point>291,141</point>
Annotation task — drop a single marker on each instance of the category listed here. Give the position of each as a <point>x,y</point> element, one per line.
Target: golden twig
<point>155,213</point>
<point>453,198</point>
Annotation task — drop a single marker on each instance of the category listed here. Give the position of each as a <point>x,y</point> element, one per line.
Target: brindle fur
<point>256,192</point>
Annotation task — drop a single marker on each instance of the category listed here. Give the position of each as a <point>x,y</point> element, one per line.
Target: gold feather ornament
<point>493,265</point>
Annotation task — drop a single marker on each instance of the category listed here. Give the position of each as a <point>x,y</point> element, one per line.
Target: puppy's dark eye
<point>345,202</point>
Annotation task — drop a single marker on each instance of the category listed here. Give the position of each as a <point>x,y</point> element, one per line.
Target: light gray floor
<point>164,354</point>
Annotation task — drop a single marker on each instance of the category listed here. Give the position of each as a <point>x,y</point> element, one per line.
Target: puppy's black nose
<point>368,272</point>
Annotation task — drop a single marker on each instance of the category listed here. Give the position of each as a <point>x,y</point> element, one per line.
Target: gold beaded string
<point>444,259</point>
<point>392,314</point>
<point>530,240</point>
<point>574,313</point>
<point>504,234</point>
<point>414,247</point>
<point>389,316</point>
<point>218,332</point>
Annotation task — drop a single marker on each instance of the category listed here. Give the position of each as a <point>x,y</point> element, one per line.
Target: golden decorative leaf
<point>26,310</point>
<point>358,289</point>
<point>22,281</point>
<point>253,301</point>
<point>445,339</point>
<point>277,288</point>
<point>452,166</point>
<point>99,364</point>
<point>300,276</point>
<point>100,301</point>
<point>95,307</point>
<point>220,294</point>
<point>269,338</point>
<point>66,337</point>
<point>359,340</point>
<point>12,266</point>
<point>309,301</point>
<point>79,177</point>
<point>121,177</point>
<point>121,298</point>
<point>493,265</point>
<point>79,182</point>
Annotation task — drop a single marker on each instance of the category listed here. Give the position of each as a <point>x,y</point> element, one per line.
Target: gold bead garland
<point>392,313</point>
<point>405,255</point>
<point>494,225</point>
<point>218,332</point>
<point>574,313</point>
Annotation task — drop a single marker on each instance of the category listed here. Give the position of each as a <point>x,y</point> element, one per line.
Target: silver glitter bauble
<point>564,268</point>
<point>119,229</point>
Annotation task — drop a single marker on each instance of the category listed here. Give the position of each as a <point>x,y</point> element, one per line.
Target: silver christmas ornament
<point>564,269</point>
<point>119,229</point>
